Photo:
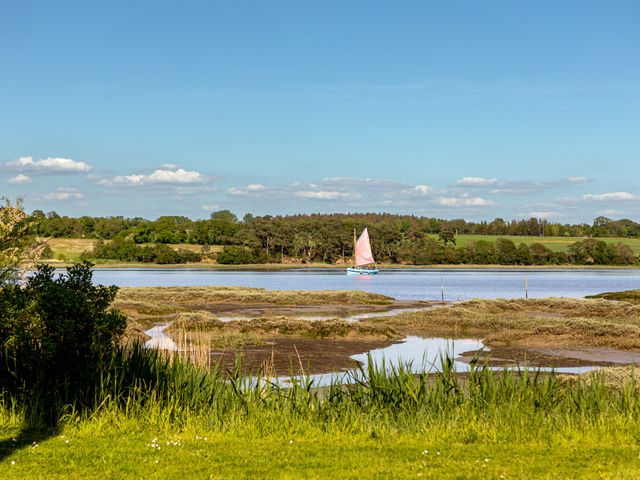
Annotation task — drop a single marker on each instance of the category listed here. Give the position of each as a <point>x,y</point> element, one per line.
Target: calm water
<point>400,284</point>
<point>419,355</point>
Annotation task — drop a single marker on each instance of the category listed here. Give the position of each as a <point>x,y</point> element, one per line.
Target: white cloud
<point>237,192</point>
<point>210,208</point>
<point>464,202</point>
<point>360,182</point>
<point>47,165</point>
<point>20,179</point>
<point>320,194</point>
<point>60,195</point>
<point>578,179</point>
<point>123,180</point>
<point>175,176</point>
<point>542,214</point>
<point>255,187</point>
<point>423,189</point>
<point>477,181</point>
<point>160,176</point>
<point>611,197</point>
<point>611,211</point>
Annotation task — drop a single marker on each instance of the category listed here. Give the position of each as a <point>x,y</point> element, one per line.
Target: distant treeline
<point>329,238</point>
<point>224,228</point>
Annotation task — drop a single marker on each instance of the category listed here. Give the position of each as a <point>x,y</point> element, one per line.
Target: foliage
<point>56,334</point>
<point>127,250</point>
<point>329,239</point>
<point>237,255</point>
<point>19,248</point>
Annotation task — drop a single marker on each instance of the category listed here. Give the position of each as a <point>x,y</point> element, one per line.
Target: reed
<point>172,391</point>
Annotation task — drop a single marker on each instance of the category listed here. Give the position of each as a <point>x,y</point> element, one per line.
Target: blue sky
<point>450,109</point>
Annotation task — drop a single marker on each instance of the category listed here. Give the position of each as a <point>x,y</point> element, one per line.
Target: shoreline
<point>323,266</point>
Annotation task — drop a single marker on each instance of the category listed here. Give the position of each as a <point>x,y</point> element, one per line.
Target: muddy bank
<point>295,355</point>
<point>150,305</point>
<point>337,310</point>
<point>557,358</point>
<point>322,333</point>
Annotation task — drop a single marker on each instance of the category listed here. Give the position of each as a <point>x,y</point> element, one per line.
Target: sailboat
<point>364,262</point>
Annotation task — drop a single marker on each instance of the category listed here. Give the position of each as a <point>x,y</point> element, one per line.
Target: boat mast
<point>355,242</point>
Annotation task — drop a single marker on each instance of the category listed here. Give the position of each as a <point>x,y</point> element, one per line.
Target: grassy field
<point>121,452</point>
<point>70,249</point>
<point>556,244</point>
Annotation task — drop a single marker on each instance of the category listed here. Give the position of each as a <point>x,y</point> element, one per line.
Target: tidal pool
<point>417,354</point>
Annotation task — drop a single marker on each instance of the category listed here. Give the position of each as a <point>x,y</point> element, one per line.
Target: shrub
<point>56,334</point>
<point>236,255</point>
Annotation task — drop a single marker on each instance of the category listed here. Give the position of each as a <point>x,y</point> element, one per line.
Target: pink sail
<point>363,250</point>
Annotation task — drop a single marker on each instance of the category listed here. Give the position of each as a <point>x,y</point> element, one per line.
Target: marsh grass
<point>631,296</point>
<point>175,390</point>
<point>559,321</point>
<point>244,295</point>
<point>208,325</point>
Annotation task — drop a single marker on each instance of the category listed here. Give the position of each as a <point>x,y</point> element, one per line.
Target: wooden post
<point>442,287</point>
<point>526,287</point>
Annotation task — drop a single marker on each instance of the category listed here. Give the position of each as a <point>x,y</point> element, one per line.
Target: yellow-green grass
<point>126,452</point>
<point>556,244</point>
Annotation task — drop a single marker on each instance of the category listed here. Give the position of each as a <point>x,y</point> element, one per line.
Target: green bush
<point>126,250</point>
<point>237,255</point>
<point>57,332</point>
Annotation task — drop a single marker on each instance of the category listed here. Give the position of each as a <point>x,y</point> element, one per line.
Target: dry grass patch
<point>208,329</point>
<point>614,378</point>
<point>198,295</point>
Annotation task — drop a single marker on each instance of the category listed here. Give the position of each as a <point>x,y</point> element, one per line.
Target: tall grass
<point>159,391</point>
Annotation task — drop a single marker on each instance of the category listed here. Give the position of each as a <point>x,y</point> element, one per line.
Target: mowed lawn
<point>122,454</point>
<point>556,244</point>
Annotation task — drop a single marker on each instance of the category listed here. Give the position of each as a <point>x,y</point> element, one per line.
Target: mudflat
<point>318,331</point>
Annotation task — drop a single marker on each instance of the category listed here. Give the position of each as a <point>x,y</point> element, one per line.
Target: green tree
<point>19,247</point>
<point>446,237</point>
<point>506,252</point>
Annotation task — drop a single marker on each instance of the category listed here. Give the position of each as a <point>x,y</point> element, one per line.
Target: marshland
<point>507,414</point>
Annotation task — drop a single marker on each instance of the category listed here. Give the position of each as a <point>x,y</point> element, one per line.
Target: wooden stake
<point>526,287</point>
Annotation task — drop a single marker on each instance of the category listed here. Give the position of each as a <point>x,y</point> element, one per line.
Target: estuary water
<point>402,284</point>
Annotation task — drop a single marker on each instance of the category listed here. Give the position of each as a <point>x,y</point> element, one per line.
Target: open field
<point>125,452</point>
<point>556,244</point>
<point>70,249</point>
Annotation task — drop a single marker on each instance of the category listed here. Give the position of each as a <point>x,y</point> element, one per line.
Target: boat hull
<point>359,271</point>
